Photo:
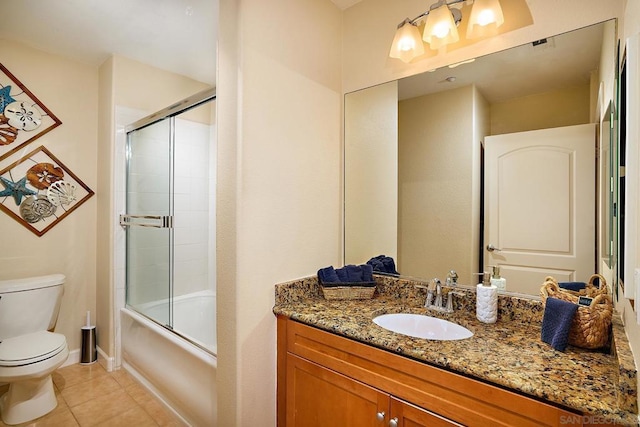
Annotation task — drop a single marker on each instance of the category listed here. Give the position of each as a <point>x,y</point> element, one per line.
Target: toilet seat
<point>31,348</point>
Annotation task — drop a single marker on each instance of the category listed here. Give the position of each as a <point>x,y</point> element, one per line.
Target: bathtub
<point>180,370</point>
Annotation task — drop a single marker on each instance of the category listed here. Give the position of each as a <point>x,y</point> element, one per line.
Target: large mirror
<point>429,182</point>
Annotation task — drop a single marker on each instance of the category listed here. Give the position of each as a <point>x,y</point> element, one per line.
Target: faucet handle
<point>450,295</point>
<point>429,301</point>
<point>452,278</point>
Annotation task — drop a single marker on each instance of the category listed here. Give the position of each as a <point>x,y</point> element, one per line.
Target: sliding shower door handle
<point>155,221</point>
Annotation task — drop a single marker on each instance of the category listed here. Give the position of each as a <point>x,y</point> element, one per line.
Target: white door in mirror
<point>420,326</point>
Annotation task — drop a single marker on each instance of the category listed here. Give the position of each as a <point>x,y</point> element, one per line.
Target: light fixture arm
<point>457,15</point>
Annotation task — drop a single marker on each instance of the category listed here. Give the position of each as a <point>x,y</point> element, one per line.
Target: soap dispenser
<point>486,300</point>
<point>496,280</point>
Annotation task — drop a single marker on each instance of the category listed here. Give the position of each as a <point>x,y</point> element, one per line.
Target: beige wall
<point>279,200</point>
<point>105,229</point>
<point>70,90</point>
<point>631,25</point>
<point>371,173</point>
<point>564,107</point>
<point>436,162</point>
<point>369,27</point>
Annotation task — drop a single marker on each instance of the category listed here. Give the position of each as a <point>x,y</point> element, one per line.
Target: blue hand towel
<point>383,264</point>
<point>354,273</point>
<point>347,274</point>
<point>572,286</point>
<point>342,274</point>
<point>328,275</point>
<point>389,265</point>
<point>376,265</point>
<point>367,273</point>
<point>556,322</point>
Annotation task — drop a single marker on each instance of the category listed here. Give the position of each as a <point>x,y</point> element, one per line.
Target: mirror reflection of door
<point>539,201</point>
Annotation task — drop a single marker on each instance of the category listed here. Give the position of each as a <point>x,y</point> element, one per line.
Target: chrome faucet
<point>436,285</point>
<point>438,302</point>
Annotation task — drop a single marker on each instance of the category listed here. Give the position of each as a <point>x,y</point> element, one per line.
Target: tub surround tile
<point>508,353</point>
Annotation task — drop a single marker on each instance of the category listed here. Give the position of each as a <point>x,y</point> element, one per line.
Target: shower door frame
<point>126,220</point>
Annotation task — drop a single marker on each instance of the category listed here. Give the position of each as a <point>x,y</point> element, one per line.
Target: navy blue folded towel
<point>572,286</point>
<point>556,322</point>
<point>347,274</point>
<point>342,275</point>
<point>367,273</point>
<point>328,275</point>
<point>383,264</point>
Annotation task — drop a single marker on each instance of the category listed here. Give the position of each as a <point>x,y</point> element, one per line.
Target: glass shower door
<point>148,221</point>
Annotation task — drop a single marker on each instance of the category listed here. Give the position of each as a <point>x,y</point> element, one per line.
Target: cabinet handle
<point>380,416</point>
<point>393,422</point>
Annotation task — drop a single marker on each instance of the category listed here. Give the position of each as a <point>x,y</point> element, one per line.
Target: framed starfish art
<point>39,191</point>
<point>23,118</point>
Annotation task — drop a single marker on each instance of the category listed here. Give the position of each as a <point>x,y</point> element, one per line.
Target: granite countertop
<point>508,353</point>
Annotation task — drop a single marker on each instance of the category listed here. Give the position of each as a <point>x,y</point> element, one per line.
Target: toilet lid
<point>30,348</point>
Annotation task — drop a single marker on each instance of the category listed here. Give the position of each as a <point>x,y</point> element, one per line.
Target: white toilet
<point>29,353</point>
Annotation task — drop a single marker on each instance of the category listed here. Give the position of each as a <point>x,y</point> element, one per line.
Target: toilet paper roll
<point>487,303</point>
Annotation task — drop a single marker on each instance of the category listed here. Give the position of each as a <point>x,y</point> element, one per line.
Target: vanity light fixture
<point>486,17</point>
<point>441,27</point>
<point>407,44</point>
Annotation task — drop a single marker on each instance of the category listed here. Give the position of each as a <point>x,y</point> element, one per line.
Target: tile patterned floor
<point>88,395</point>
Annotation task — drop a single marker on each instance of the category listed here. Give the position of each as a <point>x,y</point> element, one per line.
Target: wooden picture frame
<point>23,117</point>
<point>39,191</point>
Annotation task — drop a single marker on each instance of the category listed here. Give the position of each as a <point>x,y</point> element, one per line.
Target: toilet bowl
<point>29,352</point>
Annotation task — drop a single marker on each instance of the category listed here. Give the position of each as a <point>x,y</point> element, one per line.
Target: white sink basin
<point>420,326</point>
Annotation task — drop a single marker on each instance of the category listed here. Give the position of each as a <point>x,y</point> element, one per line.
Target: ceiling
<point>174,35</point>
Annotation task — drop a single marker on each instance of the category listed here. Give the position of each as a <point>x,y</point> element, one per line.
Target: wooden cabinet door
<point>408,415</point>
<point>319,397</point>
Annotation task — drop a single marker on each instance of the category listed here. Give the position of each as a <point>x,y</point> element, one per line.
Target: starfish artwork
<point>5,97</point>
<point>23,117</point>
<point>17,190</point>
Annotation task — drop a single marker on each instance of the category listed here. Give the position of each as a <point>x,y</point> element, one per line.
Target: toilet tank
<point>29,305</point>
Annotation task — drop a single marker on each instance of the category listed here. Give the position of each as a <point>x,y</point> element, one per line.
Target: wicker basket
<point>348,292</point>
<point>591,324</point>
<point>590,290</point>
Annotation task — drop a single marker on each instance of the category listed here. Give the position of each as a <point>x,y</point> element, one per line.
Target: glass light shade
<point>440,28</point>
<point>407,44</point>
<point>485,18</point>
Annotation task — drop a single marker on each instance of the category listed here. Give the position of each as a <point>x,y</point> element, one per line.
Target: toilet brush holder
<point>89,352</point>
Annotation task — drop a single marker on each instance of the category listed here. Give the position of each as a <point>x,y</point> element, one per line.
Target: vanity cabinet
<point>318,397</point>
<point>325,379</point>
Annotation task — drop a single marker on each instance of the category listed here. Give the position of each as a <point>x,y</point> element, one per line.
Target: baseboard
<point>74,358</point>
<point>103,359</point>
<point>107,362</point>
